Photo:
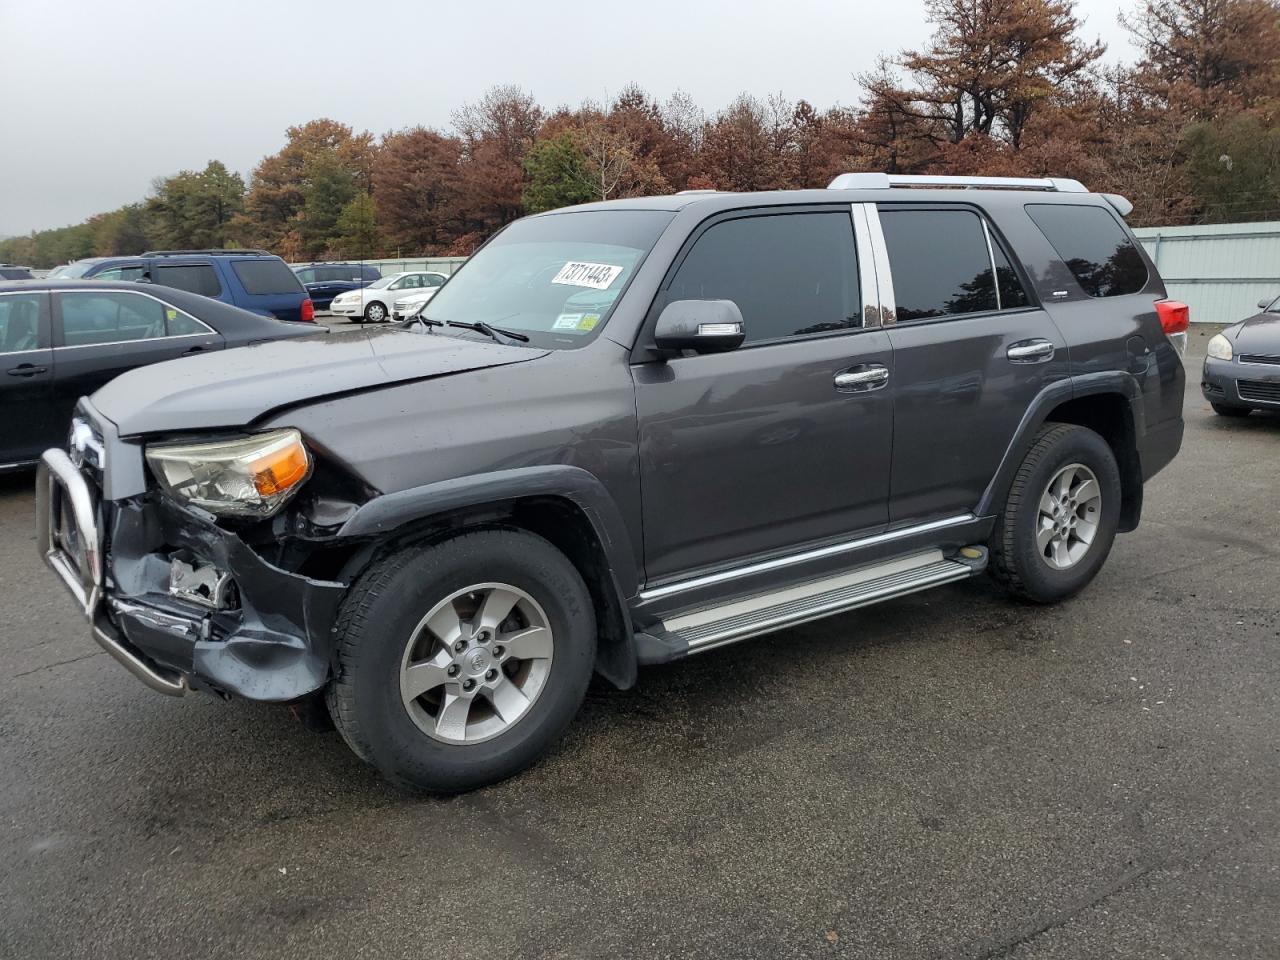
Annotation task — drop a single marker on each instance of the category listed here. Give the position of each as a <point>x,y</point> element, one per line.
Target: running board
<point>715,626</point>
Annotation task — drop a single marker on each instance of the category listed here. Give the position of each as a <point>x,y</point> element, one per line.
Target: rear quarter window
<point>1093,245</point>
<point>193,277</point>
<point>266,277</point>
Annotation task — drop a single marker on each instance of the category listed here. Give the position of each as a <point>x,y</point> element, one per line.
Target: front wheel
<point>375,312</point>
<point>460,663</point>
<point>1061,515</point>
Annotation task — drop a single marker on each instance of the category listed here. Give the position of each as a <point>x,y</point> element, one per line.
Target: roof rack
<point>886,181</point>
<point>216,253</point>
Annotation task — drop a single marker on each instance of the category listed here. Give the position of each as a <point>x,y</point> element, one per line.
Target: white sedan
<point>405,306</point>
<point>373,303</point>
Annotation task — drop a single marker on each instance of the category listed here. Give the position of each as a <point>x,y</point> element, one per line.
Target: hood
<point>417,296</point>
<point>233,388</point>
<point>1260,334</point>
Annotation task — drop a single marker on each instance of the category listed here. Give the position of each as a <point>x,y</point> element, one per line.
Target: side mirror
<point>1265,302</point>
<point>704,326</point>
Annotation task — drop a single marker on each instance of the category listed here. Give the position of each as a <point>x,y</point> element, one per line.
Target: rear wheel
<point>460,663</point>
<point>1222,410</point>
<point>1061,515</point>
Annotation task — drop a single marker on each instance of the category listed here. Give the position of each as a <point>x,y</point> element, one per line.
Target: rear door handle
<point>1031,351</point>
<point>870,377</point>
<point>26,370</point>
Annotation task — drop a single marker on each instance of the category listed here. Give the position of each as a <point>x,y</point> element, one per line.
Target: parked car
<point>324,281</point>
<point>405,307</point>
<point>10,271</point>
<point>1242,364</point>
<point>622,434</point>
<point>254,280</point>
<point>373,303</point>
<point>61,340</point>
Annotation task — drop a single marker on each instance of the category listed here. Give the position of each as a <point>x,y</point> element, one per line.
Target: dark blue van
<point>324,281</point>
<point>251,279</point>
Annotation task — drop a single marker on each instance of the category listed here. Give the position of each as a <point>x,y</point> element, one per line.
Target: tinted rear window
<point>266,277</point>
<point>15,273</point>
<point>193,277</point>
<point>1093,246</point>
<point>939,262</point>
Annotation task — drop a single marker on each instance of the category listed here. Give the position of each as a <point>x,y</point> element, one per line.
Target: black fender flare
<point>616,658</point>
<point>385,513</point>
<point>1037,413</point>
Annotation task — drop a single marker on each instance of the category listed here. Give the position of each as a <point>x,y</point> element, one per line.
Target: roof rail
<point>214,253</point>
<point>886,181</point>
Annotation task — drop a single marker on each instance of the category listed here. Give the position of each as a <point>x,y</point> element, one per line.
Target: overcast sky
<point>101,99</point>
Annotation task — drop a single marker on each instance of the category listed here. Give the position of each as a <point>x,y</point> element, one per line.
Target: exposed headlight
<point>1219,347</point>
<point>252,477</point>
<point>417,308</point>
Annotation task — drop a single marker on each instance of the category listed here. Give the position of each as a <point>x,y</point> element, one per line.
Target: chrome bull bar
<point>67,535</point>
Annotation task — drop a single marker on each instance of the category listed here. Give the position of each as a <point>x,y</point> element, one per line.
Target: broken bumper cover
<point>274,646</point>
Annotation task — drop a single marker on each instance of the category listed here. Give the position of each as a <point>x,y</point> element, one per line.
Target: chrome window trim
<point>114,343</point>
<point>135,293</point>
<point>790,560</point>
<point>884,275</point>
<point>865,251</point>
<point>991,256</point>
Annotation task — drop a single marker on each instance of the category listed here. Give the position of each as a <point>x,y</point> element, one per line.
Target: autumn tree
<point>322,155</point>
<point>1206,57</point>
<point>417,190</point>
<point>496,132</point>
<point>992,64</point>
<point>747,146</point>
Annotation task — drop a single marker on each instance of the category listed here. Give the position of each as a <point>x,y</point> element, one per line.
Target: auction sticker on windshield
<point>598,276</point>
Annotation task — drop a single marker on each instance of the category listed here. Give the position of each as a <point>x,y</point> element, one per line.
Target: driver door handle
<point>1031,351</point>
<point>26,370</point>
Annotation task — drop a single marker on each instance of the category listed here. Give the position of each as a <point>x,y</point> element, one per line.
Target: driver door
<point>766,448</point>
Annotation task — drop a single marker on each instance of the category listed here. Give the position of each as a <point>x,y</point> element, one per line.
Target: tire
<point>375,312</point>
<point>381,631</point>
<point>1021,559</point>
<point>1222,410</point>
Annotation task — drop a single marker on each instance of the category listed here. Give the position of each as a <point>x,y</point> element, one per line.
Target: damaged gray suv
<point>622,434</point>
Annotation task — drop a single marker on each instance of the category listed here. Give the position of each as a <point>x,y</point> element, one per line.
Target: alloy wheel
<point>476,663</point>
<point>1069,513</point>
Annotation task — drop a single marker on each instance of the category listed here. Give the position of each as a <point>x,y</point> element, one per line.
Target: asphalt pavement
<point>951,774</point>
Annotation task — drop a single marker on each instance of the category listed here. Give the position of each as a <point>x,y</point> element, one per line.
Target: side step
<point>711,627</point>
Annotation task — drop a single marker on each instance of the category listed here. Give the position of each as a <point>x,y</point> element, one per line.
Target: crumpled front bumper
<point>274,645</point>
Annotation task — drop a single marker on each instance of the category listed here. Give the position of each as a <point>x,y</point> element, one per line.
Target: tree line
<point>1188,132</point>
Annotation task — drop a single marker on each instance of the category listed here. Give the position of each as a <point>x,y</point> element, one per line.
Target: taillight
<point>309,310</point>
<point>1175,317</point>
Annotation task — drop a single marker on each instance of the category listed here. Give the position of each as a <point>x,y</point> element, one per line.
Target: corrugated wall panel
<point>1220,270</point>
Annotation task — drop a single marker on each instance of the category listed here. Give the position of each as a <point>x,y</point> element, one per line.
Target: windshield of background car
<point>555,278</point>
<point>74,270</point>
<point>382,282</point>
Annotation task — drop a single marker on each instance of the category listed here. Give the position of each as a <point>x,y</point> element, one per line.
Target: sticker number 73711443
<point>598,276</point>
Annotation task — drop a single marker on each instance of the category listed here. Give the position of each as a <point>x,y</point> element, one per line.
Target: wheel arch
<point>564,505</point>
<point>1110,404</point>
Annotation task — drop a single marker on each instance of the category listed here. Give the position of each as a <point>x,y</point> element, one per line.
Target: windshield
<point>78,269</point>
<point>382,282</point>
<point>554,277</point>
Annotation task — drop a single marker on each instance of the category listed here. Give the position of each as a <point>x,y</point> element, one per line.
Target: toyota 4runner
<point>622,434</point>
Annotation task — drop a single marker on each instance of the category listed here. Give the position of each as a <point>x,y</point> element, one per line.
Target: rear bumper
<point>271,643</point>
<point>1236,383</point>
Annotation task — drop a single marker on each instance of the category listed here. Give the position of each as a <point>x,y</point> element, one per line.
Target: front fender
<point>386,513</point>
